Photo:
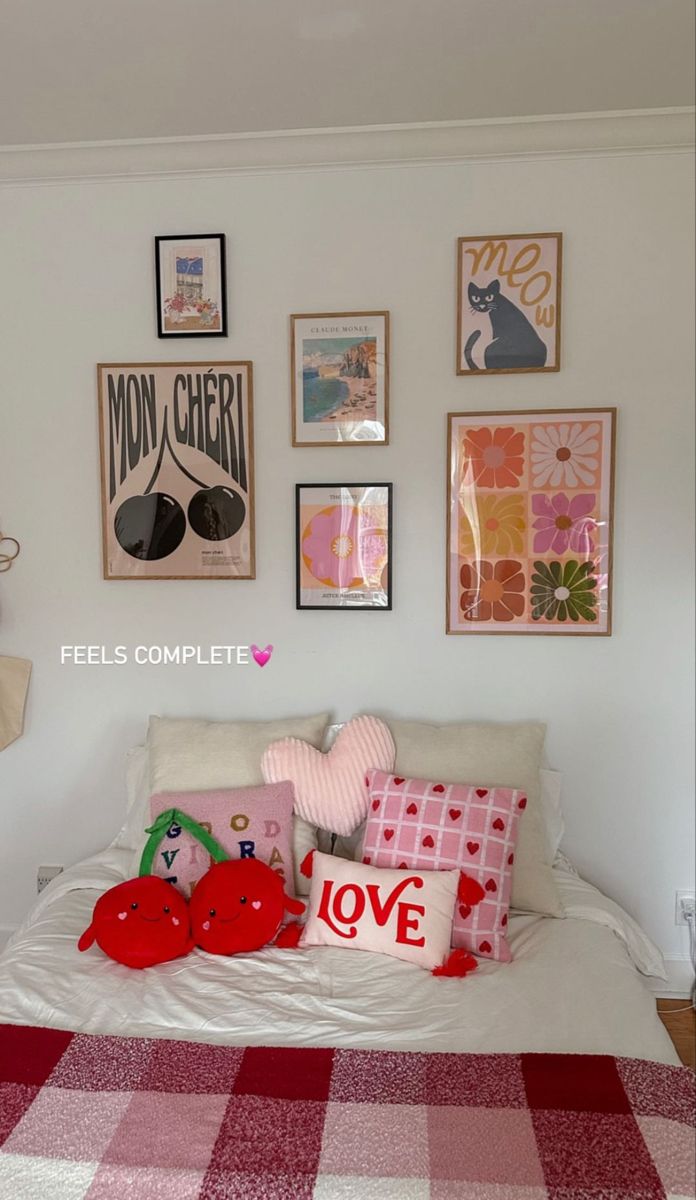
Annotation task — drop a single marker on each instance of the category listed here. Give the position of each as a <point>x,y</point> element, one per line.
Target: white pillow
<point>190,754</point>
<point>508,755</point>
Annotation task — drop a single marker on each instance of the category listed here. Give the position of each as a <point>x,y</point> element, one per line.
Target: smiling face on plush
<point>140,922</point>
<point>238,906</point>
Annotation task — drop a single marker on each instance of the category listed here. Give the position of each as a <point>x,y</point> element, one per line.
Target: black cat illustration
<point>515,341</point>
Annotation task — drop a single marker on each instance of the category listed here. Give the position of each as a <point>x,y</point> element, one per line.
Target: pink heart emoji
<point>523,802</point>
<point>388,835</point>
<point>261,656</point>
<point>464,911</point>
<point>330,788</point>
<point>176,921</point>
<point>412,810</point>
<point>485,947</point>
<point>455,814</point>
<point>498,824</point>
<point>122,916</point>
<point>256,904</point>
<point>429,842</point>
<point>491,885</point>
<point>206,925</point>
<point>375,805</point>
<point>438,788</point>
<point>481,792</point>
<point>472,847</point>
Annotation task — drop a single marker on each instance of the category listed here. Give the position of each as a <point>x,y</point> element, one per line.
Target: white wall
<point>76,287</point>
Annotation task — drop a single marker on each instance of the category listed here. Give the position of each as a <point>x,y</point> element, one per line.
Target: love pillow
<point>407,914</point>
<point>252,822</point>
<point>330,788</point>
<point>414,823</point>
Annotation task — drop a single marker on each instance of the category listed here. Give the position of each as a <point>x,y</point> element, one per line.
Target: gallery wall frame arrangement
<point>339,371</point>
<point>530,499</point>
<point>509,303</point>
<point>343,546</point>
<point>177,470</point>
<point>191,285</point>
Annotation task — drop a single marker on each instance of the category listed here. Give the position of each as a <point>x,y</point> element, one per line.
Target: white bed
<point>575,985</point>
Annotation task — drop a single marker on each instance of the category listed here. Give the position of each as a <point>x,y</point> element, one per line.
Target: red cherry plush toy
<point>140,922</point>
<point>238,906</point>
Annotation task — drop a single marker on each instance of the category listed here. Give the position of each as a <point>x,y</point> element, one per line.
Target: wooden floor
<point>679,1020</point>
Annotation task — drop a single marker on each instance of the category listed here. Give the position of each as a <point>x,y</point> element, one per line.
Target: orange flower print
<point>494,456</point>
<point>492,591</point>
<point>496,525</point>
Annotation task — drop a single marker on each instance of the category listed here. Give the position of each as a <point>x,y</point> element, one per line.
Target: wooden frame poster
<point>177,470</point>
<point>509,303</point>
<point>340,378</point>
<point>191,285</point>
<point>343,545</point>
<point>529,521</point>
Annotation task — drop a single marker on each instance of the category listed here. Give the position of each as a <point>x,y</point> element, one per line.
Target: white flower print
<point>565,455</point>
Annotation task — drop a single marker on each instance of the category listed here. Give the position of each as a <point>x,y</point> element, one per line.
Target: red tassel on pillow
<point>307,864</point>
<point>457,964</point>
<point>289,936</point>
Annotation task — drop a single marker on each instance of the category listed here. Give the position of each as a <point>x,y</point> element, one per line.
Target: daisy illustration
<point>563,523</point>
<point>494,456</point>
<point>565,455</point>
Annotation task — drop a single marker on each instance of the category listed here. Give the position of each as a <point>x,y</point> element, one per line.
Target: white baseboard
<point>680,980</point>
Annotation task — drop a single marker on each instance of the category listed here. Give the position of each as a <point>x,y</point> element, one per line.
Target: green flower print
<point>564,590</point>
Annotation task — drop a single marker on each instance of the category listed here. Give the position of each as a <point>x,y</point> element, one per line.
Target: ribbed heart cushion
<point>331,789</point>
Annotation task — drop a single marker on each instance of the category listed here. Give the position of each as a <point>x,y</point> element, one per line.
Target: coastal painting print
<point>509,303</point>
<point>340,378</point>
<point>191,290</point>
<point>177,470</point>
<point>529,528</point>
<point>343,533</point>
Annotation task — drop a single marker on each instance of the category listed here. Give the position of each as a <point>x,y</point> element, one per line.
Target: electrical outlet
<point>44,875</point>
<point>685,904</point>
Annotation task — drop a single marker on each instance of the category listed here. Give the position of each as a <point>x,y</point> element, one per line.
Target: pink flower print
<point>342,548</point>
<point>563,523</point>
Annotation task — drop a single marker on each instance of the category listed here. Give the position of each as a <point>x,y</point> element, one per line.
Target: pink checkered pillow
<point>414,823</point>
<point>250,822</point>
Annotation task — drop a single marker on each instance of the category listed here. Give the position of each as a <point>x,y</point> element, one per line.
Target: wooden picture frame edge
<point>239,362</point>
<point>355,607</point>
<point>612,410</point>
<point>559,277</point>
<point>385,313</point>
<point>200,237</point>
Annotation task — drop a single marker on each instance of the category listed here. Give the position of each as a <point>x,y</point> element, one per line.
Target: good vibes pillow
<point>252,822</point>
<point>414,823</point>
<point>407,914</point>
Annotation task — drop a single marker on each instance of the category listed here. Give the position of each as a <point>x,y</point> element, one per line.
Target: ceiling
<point>95,70</point>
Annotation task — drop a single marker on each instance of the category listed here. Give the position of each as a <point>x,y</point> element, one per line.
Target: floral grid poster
<point>530,522</point>
<point>343,545</point>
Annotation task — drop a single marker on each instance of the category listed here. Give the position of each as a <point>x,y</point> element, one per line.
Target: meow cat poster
<point>508,303</point>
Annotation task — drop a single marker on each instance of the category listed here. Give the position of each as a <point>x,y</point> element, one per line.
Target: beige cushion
<point>197,754</point>
<point>507,755</point>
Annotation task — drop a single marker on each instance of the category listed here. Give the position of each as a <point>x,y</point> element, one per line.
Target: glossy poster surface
<point>530,522</point>
<point>343,545</point>
<point>177,470</point>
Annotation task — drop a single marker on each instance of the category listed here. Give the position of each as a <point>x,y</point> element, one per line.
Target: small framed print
<point>191,285</point>
<point>509,303</point>
<point>340,378</point>
<point>529,522</point>
<point>343,545</point>
<point>177,470</point>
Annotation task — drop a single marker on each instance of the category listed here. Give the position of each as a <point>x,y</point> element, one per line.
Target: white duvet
<point>573,986</point>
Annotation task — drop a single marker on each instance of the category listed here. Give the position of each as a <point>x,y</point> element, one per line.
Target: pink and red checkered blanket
<point>136,1119</point>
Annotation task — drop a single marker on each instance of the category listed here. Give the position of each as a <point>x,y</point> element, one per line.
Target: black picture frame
<point>203,331</point>
<point>345,602</point>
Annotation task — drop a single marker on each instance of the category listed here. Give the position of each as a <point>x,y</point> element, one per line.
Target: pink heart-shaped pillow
<point>330,789</point>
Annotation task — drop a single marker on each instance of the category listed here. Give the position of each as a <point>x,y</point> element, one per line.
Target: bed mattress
<point>573,986</point>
